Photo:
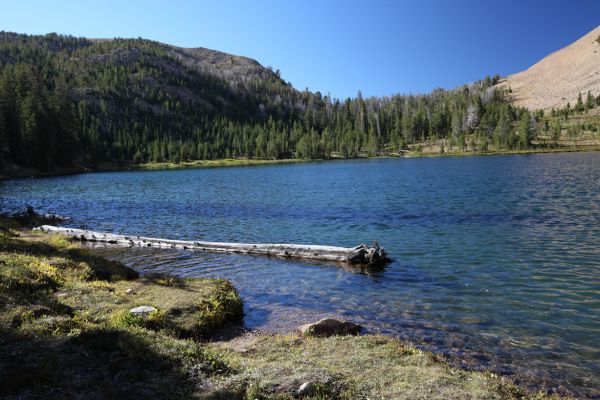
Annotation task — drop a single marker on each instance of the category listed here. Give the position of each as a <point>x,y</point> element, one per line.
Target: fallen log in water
<point>359,255</point>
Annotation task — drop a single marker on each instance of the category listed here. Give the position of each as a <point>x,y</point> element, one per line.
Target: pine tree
<point>501,132</point>
<point>589,101</point>
<point>525,130</point>
<point>556,131</point>
<point>579,106</point>
<point>3,140</point>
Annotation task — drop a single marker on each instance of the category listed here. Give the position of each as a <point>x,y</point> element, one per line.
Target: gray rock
<point>142,311</point>
<point>306,389</point>
<point>330,327</point>
<point>130,291</point>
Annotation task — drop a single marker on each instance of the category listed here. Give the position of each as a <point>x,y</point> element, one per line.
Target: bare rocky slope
<point>231,68</point>
<point>560,76</point>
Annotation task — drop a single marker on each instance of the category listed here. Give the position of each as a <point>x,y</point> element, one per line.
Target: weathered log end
<point>369,255</point>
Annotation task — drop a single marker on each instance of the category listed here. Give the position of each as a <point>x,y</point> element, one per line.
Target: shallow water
<point>497,261</point>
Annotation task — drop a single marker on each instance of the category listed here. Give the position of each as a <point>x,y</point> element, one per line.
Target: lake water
<point>497,258</point>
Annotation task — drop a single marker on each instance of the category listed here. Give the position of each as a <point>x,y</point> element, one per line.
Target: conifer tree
<point>525,131</point>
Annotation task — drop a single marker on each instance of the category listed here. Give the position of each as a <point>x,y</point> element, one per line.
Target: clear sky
<point>378,46</point>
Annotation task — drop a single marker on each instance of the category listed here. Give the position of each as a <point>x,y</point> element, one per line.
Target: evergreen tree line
<point>70,101</point>
<point>580,107</point>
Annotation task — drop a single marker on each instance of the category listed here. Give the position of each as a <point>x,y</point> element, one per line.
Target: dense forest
<point>68,101</point>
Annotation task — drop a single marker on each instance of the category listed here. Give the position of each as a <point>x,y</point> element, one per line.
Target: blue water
<point>497,258</point>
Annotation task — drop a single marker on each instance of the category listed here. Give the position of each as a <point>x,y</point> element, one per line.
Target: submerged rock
<point>330,327</point>
<point>142,311</point>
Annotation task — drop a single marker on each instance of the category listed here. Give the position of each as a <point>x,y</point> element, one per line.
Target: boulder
<point>330,327</point>
<point>142,311</point>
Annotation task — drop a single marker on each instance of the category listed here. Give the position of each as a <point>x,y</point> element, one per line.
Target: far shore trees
<point>70,101</point>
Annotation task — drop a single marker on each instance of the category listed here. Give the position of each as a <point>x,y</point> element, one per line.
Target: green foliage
<point>525,130</point>
<point>154,320</point>
<point>567,126</point>
<point>556,132</point>
<point>65,334</point>
<point>70,101</point>
<point>222,306</point>
<point>165,280</point>
<point>27,275</point>
<point>579,107</point>
<point>138,157</point>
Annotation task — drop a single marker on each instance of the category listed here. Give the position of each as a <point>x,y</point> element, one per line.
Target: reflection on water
<point>496,258</point>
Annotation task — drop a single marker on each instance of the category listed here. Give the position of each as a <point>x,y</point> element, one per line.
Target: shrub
<point>138,158</point>
<point>28,275</point>
<point>222,307</point>
<point>154,320</point>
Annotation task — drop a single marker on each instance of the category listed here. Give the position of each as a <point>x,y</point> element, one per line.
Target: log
<point>361,255</point>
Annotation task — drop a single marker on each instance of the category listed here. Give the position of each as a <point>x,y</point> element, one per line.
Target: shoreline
<point>24,173</point>
<point>82,306</point>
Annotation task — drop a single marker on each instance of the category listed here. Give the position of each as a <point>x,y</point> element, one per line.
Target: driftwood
<point>359,255</point>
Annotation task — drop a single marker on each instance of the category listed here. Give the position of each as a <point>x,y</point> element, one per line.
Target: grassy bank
<point>540,150</point>
<point>228,162</point>
<point>235,162</point>
<point>431,151</point>
<point>18,172</point>
<point>65,332</point>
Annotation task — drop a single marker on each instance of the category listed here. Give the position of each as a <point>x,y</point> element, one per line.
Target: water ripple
<point>497,258</point>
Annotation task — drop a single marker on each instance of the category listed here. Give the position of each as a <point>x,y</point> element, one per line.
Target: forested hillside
<point>67,101</point>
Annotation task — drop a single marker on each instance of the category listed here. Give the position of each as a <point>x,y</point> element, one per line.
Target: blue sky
<point>378,46</point>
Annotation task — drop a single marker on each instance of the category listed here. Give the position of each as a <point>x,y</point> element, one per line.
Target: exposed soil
<point>559,77</point>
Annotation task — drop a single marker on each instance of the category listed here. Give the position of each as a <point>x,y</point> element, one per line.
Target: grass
<point>573,147</point>
<point>412,153</point>
<point>364,367</point>
<point>227,162</point>
<point>426,150</point>
<point>65,332</point>
<point>18,172</point>
<point>65,329</point>
<point>542,150</point>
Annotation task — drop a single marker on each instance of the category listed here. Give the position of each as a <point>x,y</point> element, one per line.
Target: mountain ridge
<point>559,77</point>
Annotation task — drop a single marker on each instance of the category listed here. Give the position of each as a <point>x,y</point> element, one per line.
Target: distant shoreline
<point>20,173</point>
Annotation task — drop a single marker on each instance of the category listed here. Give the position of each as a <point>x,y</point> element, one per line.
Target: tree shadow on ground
<point>99,363</point>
